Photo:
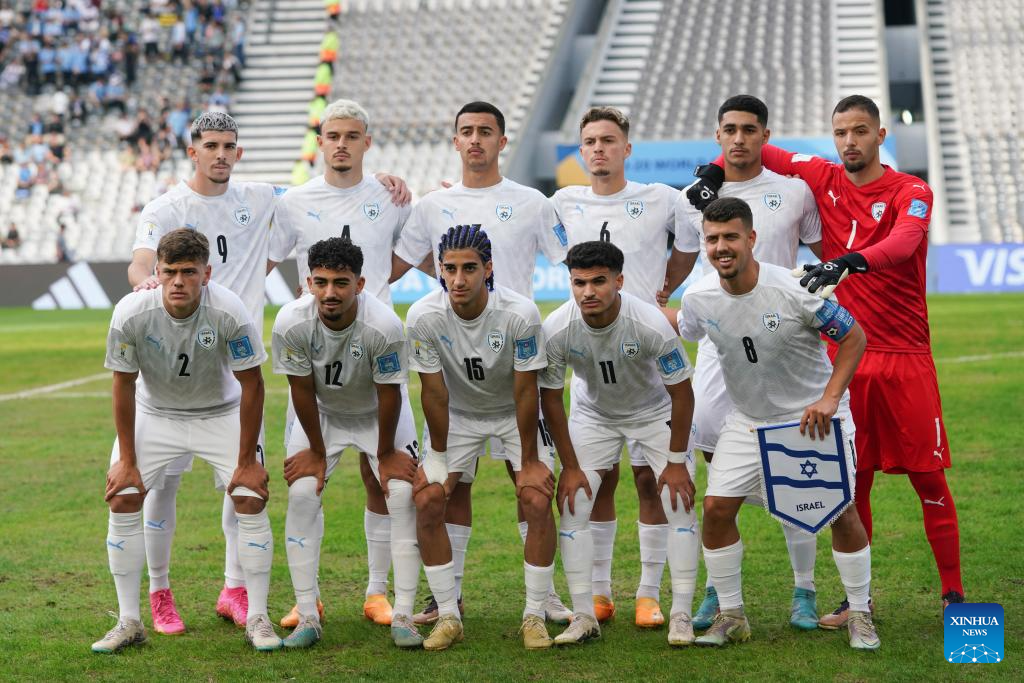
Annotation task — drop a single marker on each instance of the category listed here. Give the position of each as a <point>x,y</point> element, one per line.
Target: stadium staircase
<point>859,53</point>
<point>271,104</point>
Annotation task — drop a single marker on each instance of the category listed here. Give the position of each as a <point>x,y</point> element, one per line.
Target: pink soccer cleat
<point>166,619</point>
<point>233,604</point>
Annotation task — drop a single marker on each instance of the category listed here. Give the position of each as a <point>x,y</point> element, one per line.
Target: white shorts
<point>184,463</point>
<point>633,448</point>
<point>735,471</point>
<point>598,443</point>
<point>711,402</point>
<point>467,437</point>
<point>290,420</point>
<point>162,441</point>
<point>360,433</point>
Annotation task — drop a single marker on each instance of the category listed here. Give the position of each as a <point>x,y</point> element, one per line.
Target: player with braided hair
<point>477,348</point>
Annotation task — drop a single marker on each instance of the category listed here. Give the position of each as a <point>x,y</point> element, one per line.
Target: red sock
<point>862,498</point>
<point>940,526</point>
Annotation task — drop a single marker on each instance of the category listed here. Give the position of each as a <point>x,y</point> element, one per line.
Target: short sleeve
<point>670,196</point>
<point>414,243</point>
<point>283,236</point>
<point>290,352</point>
<point>404,212</point>
<point>149,230</point>
<point>810,220</point>
<point>691,325</point>
<point>390,360</point>
<point>244,343</point>
<point>669,355</point>
<point>422,351</point>
<point>553,240</point>
<point>121,346</point>
<point>687,233</point>
<point>553,376</point>
<point>528,337</point>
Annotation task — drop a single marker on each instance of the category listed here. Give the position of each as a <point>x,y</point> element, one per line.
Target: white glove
<point>435,466</point>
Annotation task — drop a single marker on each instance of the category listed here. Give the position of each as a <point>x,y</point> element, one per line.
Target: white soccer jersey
<point>347,363</point>
<point>364,213</point>
<point>638,220</point>
<point>519,221</point>
<point>238,224</point>
<point>478,357</point>
<point>767,340</point>
<point>622,369</point>
<point>185,366</point>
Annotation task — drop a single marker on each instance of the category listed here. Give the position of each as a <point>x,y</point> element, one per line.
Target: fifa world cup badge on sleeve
<point>973,633</point>
<point>806,482</point>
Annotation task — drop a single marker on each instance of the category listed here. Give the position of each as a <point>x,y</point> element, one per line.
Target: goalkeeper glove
<point>435,466</point>
<point>827,276</point>
<point>705,190</point>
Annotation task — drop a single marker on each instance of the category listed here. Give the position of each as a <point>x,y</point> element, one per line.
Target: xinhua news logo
<point>973,633</point>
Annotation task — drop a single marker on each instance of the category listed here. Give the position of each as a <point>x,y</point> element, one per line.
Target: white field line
<point>50,388</point>
<point>981,358</point>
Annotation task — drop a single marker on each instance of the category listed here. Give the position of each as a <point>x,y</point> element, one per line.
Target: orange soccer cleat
<point>377,609</point>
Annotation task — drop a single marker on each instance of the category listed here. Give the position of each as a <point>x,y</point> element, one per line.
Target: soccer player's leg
<point>653,532</point>
<point>160,516</point>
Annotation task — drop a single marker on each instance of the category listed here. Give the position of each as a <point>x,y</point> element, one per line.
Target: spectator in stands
<point>36,126</point>
<point>13,238</point>
<point>12,74</point>
<point>131,57</point>
<point>6,155</point>
<point>48,62</point>
<point>219,101</point>
<point>179,120</point>
<point>179,42</point>
<point>79,64</point>
<point>59,104</point>
<point>78,110</point>
<point>238,40</point>
<point>115,94</point>
<point>97,95</point>
<point>208,75</point>
<point>143,132</point>
<point>64,253</point>
<point>26,179</point>
<point>30,58</point>
<point>38,151</point>
<point>54,124</point>
<point>124,127</point>
<point>231,70</point>
<point>56,142</point>
<point>99,60</point>
<point>149,32</point>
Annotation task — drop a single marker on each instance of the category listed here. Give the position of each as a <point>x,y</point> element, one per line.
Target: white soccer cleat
<point>862,631</point>
<point>306,634</point>
<point>259,632</point>
<point>583,628</point>
<point>555,610</point>
<point>125,633</point>
<point>680,630</point>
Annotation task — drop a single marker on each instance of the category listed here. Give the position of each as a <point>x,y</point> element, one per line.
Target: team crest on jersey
<point>771,321</point>
<point>356,350</point>
<point>773,200</point>
<point>372,210</point>
<point>243,215</point>
<point>496,340</point>
<point>504,212</point>
<point>634,208</point>
<point>877,209</point>
<point>630,349</point>
<point>206,337</point>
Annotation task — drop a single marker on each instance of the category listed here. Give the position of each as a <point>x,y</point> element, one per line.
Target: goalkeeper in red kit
<point>875,228</point>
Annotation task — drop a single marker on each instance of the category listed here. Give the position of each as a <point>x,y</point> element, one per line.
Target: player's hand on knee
<point>570,481</point>
<point>709,180</point>
<point>677,478</point>
<point>433,470</point>
<point>122,476</point>
<point>395,465</point>
<point>306,463</point>
<point>536,475</point>
<point>818,416</point>
<point>252,476</point>
<point>827,276</point>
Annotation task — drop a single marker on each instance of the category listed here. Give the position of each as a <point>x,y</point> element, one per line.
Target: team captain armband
<point>835,321</point>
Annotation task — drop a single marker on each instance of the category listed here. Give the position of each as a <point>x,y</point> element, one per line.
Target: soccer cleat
<point>306,634</point>
<point>604,608</point>
<point>291,620</point>
<point>166,619</point>
<point>429,613</point>
<point>648,613</point>
<point>680,630</point>
<point>837,620</point>
<point>233,604</point>
<point>582,628</point>
<point>804,612</point>
<point>447,631</point>
<point>862,631</point>
<point>404,633</point>
<point>125,633</point>
<point>729,626</point>
<point>259,633</point>
<point>555,610</point>
<point>535,634</point>
<point>708,609</point>
<point>952,597</point>
<point>377,609</point>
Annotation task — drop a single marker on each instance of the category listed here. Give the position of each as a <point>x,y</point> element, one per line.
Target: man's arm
<point>851,347</point>
<point>710,177</point>
<point>525,392</point>
<point>140,270</point>
<point>815,248</point>
<point>675,475</point>
<point>391,463</point>
<point>396,187</point>
<point>571,478</point>
<point>250,473</point>
<point>680,265</point>
<point>434,399</point>
<point>311,462</point>
<point>125,472</point>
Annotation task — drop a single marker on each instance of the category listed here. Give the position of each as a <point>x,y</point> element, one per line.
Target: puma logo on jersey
<point>833,197</point>
<point>579,209</point>
<point>447,342</point>
<point>921,186</point>
<point>935,502</point>
<point>158,343</point>
<point>711,322</point>
<point>576,352</point>
<point>314,214</point>
<point>448,212</point>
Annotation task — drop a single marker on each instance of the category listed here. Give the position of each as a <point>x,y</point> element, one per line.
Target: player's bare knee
<point>248,505</point>
<point>718,510</point>
<point>535,504</point>
<point>124,503</point>
<point>370,482</point>
<point>511,471</point>
<point>430,505</point>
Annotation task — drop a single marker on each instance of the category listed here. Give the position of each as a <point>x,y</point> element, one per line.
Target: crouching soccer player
<point>634,382</point>
<point>344,353</point>
<point>477,349</point>
<point>186,359</point>
<point>766,330</point>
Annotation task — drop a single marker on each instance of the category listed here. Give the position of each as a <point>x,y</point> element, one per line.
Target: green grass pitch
<point>55,588</point>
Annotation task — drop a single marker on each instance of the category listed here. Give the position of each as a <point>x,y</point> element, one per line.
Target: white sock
<point>160,513</point>
<point>378,551</point>
<point>405,554</point>
<point>523,528</point>
<point>302,543</point>
<point>458,535</point>
<point>319,534</point>
<point>126,553</point>
<point>604,542</point>
<point>256,554</point>
<point>803,548</point>
<point>683,553</point>
<point>441,579</point>
<point>855,573</point>
<point>724,567</point>
<point>538,579</point>
<point>234,577</point>
<point>653,554</point>
<point>575,540</point>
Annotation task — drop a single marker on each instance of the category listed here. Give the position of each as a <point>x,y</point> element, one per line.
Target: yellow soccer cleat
<point>447,631</point>
<point>377,609</point>
<point>291,620</point>
<point>648,613</point>
<point>535,634</point>
<point>604,608</point>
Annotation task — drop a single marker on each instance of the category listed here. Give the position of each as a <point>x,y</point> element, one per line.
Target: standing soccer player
<point>875,224</point>
<point>344,353</point>
<point>520,223</point>
<point>640,220</point>
<point>634,387</point>
<point>345,203</point>
<point>186,359</point>
<point>774,373</point>
<point>785,215</point>
<point>477,349</point>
